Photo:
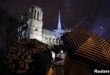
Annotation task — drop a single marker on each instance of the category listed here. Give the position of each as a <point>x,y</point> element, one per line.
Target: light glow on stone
<point>53,55</point>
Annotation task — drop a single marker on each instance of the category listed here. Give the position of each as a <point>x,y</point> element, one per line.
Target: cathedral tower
<point>35,22</point>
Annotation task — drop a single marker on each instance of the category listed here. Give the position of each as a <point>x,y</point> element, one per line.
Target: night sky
<point>96,11</point>
<point>78,9</point>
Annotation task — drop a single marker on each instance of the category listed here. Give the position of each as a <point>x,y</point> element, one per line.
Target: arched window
<point>38,16</point>
<point>35,14</point>
<point>31,12</point>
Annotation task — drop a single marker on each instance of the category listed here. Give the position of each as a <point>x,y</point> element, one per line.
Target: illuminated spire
<point>59,23</point>
<point>59,29</point>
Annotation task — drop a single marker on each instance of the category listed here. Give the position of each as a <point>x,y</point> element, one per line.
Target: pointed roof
<point>87,45</point>
<point>59,22</point>
<point>58,32</point>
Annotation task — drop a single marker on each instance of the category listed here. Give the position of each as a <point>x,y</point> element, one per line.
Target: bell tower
<point>35,23</point>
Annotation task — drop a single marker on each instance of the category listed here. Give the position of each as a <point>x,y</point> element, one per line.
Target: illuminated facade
<point>32,28</point>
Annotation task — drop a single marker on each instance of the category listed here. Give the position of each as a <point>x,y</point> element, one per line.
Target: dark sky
<point>78,9</point>
<point>97,12</point>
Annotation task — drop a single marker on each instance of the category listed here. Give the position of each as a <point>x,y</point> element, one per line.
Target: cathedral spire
<point>59,29</point>
<point>59,23</point>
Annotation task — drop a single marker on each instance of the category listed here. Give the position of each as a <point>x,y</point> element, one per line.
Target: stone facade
<point>32,28</point>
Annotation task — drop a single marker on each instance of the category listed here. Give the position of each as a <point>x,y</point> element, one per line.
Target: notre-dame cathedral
<point>33,28</point>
